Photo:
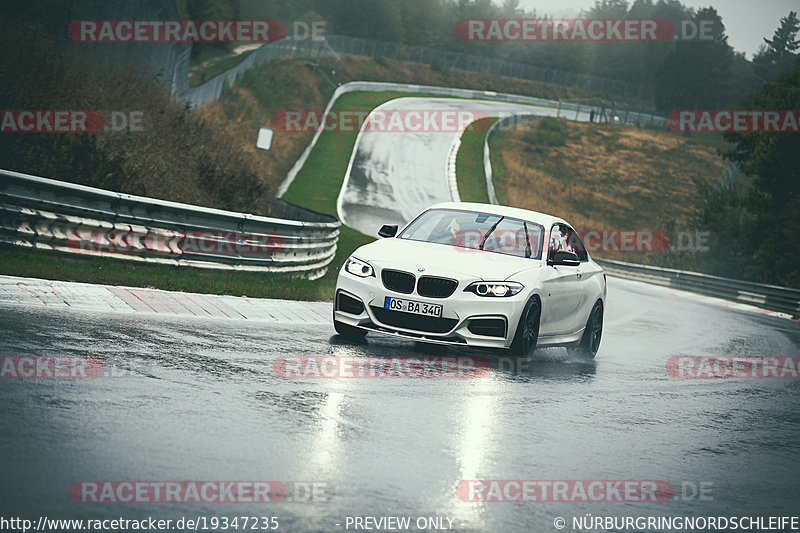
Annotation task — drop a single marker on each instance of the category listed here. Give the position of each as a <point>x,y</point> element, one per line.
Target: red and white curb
<point>105,298</point>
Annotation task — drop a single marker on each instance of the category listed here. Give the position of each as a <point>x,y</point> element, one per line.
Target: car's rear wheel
<point>527,334</point>
<point>349,332</point>
<point>590,341</point>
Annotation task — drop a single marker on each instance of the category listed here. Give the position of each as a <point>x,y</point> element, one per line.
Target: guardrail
<point>771,297</point>
<point>452,182</point>
<point>53,215</point>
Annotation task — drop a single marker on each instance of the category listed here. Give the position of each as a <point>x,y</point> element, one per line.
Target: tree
<point>785,41</point>
<point>759,228</point>
<point>773,158</point>
<point>697,74</point>
<point>609,9</point>
<point>211,9</point>
<point>371,19</point>
<point>778,54</point>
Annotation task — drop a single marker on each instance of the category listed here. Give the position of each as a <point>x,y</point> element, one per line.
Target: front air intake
<point>348,304</point>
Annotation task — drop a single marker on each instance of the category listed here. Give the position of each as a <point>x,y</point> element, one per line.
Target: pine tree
<point>778,54</point>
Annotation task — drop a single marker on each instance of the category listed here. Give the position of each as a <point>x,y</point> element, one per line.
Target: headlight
<point>359,268</point>
<point>494,289</point>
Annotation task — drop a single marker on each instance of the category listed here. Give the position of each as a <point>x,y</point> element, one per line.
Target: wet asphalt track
<point>187,398</point>
<point>393,176</point>
<point>200,401</point>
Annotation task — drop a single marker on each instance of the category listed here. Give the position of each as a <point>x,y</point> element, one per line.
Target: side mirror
<point>388,230</point>
<point>564,258</point>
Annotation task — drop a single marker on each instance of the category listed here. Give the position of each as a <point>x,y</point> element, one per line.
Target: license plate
<point>408,306</point>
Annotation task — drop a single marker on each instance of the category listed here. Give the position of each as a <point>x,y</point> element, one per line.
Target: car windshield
<point>477,231</point>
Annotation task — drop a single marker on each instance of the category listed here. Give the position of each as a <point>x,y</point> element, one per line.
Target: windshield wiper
<point>483,241</point>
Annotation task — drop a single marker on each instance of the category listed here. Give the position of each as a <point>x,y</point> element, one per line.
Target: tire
<point>590,341</point>
<point>527,335</point>
<point>351,333</point>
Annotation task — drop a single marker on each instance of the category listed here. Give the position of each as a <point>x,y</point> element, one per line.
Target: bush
<point>174,156</point>
<point>440,65</point>
<point>548,132</point>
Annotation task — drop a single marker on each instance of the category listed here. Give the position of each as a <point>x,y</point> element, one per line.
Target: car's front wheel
<point>527,334</point>
<point>590,341</point>
<point>349,332</point>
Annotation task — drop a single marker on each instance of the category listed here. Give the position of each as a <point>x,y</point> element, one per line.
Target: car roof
<point>502,210</point>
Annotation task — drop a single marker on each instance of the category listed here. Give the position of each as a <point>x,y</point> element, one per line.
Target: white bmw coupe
<point>476,275</point>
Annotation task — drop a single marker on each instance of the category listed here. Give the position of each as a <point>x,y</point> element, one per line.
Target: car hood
<point>442,259</point>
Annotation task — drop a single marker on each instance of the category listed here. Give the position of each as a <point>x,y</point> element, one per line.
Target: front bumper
<point>467,319</point>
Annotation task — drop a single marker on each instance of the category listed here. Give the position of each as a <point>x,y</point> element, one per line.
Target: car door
<point>586,282</point>
<point>562,288</point>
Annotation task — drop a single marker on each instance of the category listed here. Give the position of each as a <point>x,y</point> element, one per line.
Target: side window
<point>564,238</point>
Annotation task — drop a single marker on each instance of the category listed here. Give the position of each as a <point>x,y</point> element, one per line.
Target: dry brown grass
<point>604,176</point>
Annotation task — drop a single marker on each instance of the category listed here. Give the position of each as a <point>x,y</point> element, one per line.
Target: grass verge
<point>470,174</point>
<point>24,262</point>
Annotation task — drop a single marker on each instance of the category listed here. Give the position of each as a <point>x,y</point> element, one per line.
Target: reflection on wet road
<point>193,399</point>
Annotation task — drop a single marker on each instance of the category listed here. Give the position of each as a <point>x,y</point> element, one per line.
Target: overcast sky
<point>747,22</point>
